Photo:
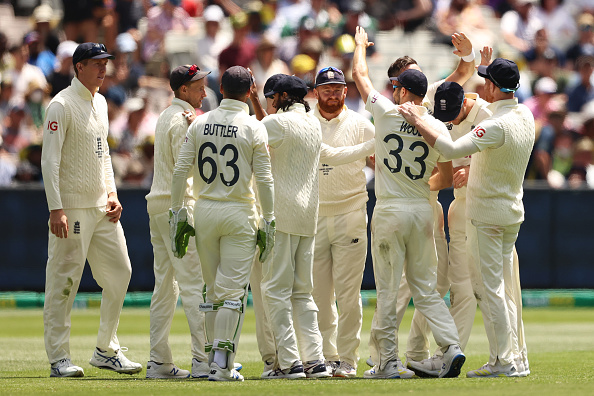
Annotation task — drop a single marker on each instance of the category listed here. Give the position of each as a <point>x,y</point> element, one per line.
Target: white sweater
<point>343,187</point>
<point>75,160</point>
<point>295,139</point>
<point>169,136</point>
<point>495,191</point>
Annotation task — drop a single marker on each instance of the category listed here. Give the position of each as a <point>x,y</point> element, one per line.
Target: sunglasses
<point>396,86</point>
<point>330,68</point>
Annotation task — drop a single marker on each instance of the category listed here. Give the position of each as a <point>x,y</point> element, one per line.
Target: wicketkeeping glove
<point>265,237</point>
<point>180,232</point>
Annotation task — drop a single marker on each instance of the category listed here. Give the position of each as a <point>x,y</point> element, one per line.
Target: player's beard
<point>333,108</point>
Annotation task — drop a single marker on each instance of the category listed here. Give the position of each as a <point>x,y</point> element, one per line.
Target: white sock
<point>220,358</point>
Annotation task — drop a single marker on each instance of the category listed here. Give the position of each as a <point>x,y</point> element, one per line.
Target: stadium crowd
<point>551,40</point>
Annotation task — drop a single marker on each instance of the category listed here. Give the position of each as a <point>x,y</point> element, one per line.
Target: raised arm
<point>360,69</point>
<point>443,177</point>
<point>465,67</point>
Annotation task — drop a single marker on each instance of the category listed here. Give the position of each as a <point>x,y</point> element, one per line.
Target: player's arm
<point>443,177</point>
<point>465,67</point>
<point>113,207</point>
<point>441,142</point>
<point>360,69</point>
<point>54,132</point>
<point>343,155</point>
<point>263,173</point>
<point>257,106</point>
<point>183,166</point>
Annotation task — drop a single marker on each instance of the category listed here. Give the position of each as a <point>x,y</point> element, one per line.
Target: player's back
<point>225,140</point>
<point>404,160</point>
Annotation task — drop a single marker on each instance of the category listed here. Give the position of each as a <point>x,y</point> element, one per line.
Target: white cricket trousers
<point>339,262</point>
<point>490,249</point>
<point>418,338</point>
<point>174,277</point>
<point>264,334</point>
<point>402,238</point>
<point>93,237</point>
<point>462,301</point>
<point>226,244</point>
<point>287,285</point>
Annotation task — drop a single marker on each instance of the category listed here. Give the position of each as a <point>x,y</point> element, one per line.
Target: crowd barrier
<point>555,245</point>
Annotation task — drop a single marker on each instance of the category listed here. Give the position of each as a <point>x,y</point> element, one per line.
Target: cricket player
<point>341,237</point>
<point>174,275</point>
<point>264,335</point>
<point>418,344</point>
<point>500,147</point>
<point>402,225</point>
<point>84,216</point>
<point>295,140</point>
<point>225,147</point>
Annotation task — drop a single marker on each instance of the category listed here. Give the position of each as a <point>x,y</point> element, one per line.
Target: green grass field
<point>560,342</point>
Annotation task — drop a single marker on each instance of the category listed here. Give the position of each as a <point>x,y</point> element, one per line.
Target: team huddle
<point>276,202</point>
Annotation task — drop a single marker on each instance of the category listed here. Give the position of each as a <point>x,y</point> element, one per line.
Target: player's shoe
<point>115,361</point>
<point>316,369</point>
<point>223,374</point>
<point>369,362</point>
<point>332,365</point>
<point>523,371</point>
<point>65,368</point>
<point>345,370</point>
<point>426,368</point>
<point>165,371</point>
<point>293,372</point>
<point>492,371</point>
<point>452,361</point>
<point>268,368</point>
<point>394,369</point>
<point>201,369</point>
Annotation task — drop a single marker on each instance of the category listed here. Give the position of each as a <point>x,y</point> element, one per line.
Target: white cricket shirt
<point>403,160</point>
<point>224,147</point>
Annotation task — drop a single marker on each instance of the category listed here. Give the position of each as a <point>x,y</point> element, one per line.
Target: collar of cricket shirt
<point>81,90</point>
<point>183,104</point>
<point>234,105</point>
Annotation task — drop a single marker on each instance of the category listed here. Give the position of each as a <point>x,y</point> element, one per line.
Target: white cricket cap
<point>546,85</point>
<point>66,49</point>
<point>213,13</point>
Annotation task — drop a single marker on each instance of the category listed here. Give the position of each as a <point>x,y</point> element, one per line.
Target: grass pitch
<point>560,344</point>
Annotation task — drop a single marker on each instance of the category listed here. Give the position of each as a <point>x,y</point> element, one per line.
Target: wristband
<point>470,57</point>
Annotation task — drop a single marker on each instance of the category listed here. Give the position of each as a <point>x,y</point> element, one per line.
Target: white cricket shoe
<point>426,368</point>
<point>393,369</point>
<point>293,372</point>
<point>345,370</point>
<point>268,368</point>
<point>201,369</point>
<point>369,362</point>
<point>65,368</point>
<point>316,369</point>
<point>165,371</point>
<point>522,368</point>
<point>223,374</point>
<point>332,365</point>
<point>452,362</point>
<point>492,371</point>
<point>116,362</point>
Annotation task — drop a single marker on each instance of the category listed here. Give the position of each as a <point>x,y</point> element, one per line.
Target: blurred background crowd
<point>551,40</point>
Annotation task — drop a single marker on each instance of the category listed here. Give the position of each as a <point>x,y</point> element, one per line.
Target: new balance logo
<point>213,372</point>
<point>77,227</point>
<point>356,240</point>
<point>174,371</point>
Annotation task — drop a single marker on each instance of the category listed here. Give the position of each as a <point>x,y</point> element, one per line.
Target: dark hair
<point>399,65</point>
<point>290,100</point>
